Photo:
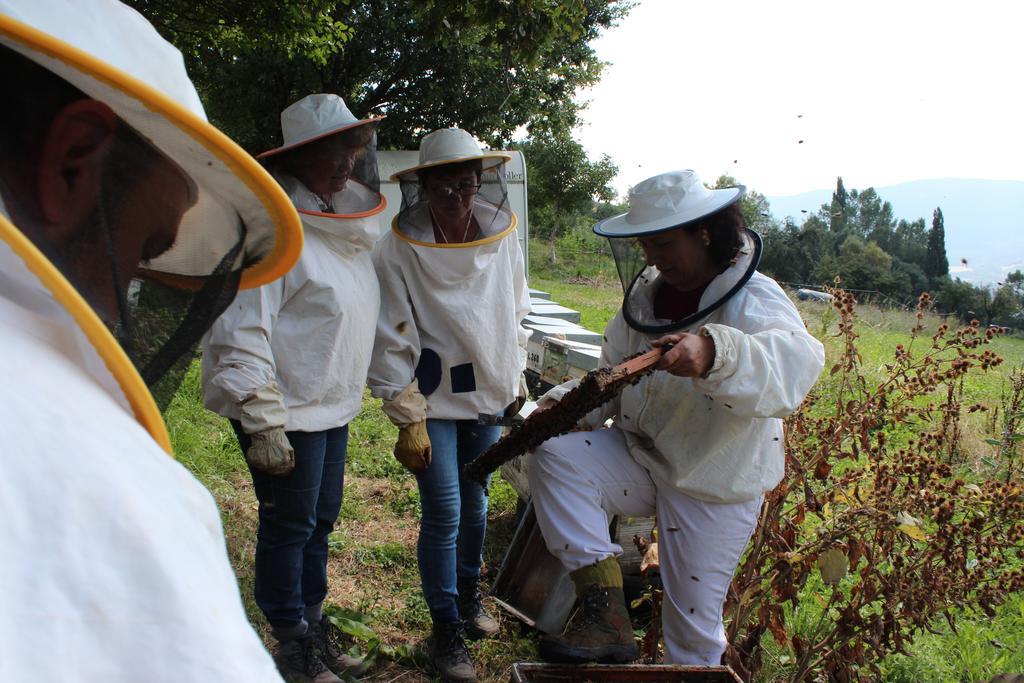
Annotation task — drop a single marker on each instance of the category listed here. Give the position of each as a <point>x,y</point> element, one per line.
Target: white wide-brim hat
<point>667,201</point>
<point>450,146</point>
<point>112,54</point>
<point>315,117</point>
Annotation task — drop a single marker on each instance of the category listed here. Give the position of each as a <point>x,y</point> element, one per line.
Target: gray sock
<point>314,613</point>
<point>285,633</point>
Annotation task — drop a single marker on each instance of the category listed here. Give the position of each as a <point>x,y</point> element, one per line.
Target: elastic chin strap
<point>125,331</point>
<point>694,318</point>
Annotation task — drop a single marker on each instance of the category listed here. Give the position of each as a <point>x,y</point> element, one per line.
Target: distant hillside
<point>984,219</point>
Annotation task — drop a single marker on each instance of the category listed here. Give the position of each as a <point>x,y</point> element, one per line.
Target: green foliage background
<point>489,66</point>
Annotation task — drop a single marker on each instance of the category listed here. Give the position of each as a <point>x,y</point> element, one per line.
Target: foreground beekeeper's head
<point>110,169</point>
<point>329,150</point>
<point>455,182</point>
<point>676,227</point>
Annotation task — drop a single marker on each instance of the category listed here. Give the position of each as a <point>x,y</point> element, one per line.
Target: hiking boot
<point>448,653</point>
<point>479,624</point>
<point>330,644</point>
<point>601,632</point>
<point>298,661</point>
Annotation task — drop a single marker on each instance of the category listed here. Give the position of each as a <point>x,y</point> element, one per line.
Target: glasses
<point>466,188</point>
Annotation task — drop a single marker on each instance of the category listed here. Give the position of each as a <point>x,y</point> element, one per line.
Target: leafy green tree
<point>1015,281</point>
<point>817,253</point>
<point>1005,308</point>
<point>936,265</point>
<point>824,271</point>
<point>754,206</point>
<point>565,184</point>
<point>863,265</point>
<point>960,298</point>
<point>873,217</point>
<point>489,66</point>
<point>912,274</point>
<point>909,243</point>
<point>781,258</point>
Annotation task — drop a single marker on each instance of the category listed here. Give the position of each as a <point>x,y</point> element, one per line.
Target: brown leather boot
<point>601,632</point>
<point>449,655</point>
<point>298,662</point>
<point>330,644</point>
<point>479,624</point>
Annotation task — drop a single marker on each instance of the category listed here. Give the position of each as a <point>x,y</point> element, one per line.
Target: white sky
<point>888,92</point>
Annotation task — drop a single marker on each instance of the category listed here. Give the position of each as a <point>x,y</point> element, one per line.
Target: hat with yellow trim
<point>314,117</point>
<point>241,231</point>
<point>450,146</point>
<point>114,55</point>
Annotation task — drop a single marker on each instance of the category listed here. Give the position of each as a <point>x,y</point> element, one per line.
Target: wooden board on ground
<point>523,672</point>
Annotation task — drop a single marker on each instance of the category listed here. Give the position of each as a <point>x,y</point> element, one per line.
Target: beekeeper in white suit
<point>696,443</point>
<point>287,364</point>
<point>115,192</point>
<point>450,346</point>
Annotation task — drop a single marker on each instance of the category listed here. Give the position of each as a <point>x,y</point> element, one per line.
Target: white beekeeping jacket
<point>114,560</point>
<point>312,331</point>
<point>718,438</point>
<point>451,317</point>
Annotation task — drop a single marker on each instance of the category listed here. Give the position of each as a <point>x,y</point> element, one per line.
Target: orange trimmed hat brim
<point>335,131</point>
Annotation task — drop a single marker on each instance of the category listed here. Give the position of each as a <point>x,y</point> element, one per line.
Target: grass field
<point>373,560</point>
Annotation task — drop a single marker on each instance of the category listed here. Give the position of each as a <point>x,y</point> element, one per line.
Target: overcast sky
<point>879,92</point>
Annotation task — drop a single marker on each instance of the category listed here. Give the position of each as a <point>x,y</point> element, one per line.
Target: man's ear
<point>71,160</point>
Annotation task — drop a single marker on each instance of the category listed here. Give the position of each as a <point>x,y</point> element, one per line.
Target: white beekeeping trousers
<point>579,480</point>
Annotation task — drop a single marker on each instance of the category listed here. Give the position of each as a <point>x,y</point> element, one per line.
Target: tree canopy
<point>490,66</point>
<point>564,182</point>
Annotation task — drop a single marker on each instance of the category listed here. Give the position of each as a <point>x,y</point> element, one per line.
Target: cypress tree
<point>840,200</point>
<point>936,265</point>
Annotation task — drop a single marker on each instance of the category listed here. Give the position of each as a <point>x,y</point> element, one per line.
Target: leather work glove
<point>522,393</point>
<point>263,418</point>
<point>271,452</point>
<point>413,447</point>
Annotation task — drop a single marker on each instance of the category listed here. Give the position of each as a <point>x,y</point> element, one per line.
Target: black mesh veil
<point>641,282</point>
<point>490,215</point>
<point>164,324</point>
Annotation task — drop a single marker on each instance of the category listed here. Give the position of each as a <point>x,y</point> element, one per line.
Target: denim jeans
<point>297,511</point>
<point>454,513</point>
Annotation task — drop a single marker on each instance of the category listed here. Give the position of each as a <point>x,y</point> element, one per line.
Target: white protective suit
<point>114,561</point>
<point>456,312</point>
<point>311,331</point>
<point>718,438</point>
<point>697,453</point>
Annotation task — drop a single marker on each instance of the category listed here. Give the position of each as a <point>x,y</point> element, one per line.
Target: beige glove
<point>413,447</point>
<point>263,418</point>
<point>407,407</point>
<point>522,393</point>
<point>270,452</point>
<point>408,411</point>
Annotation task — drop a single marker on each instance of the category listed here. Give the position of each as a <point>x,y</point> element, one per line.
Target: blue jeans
<point>297,511</point>
<point>454,513</point>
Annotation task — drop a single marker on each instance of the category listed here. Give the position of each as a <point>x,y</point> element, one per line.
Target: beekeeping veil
<point>240,231</point>
<point>660,204</point>
<point>320,132</point>
<point>489,218</point>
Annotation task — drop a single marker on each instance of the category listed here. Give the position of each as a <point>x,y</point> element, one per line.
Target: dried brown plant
<point>871,518</point>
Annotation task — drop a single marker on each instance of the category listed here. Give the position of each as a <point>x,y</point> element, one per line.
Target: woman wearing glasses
<point>449,348</point>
